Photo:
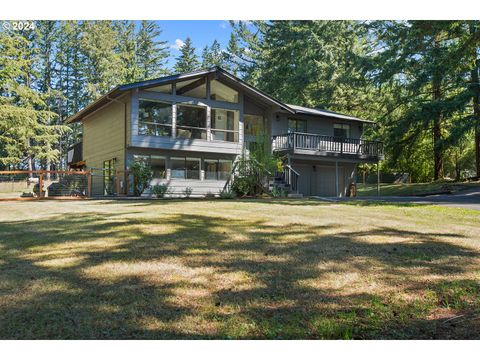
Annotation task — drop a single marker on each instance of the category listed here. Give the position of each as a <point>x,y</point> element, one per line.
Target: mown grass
<point>251,269</point>
<point>413,188</point>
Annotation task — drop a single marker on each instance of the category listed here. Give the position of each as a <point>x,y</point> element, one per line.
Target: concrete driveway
<point>469,199</point>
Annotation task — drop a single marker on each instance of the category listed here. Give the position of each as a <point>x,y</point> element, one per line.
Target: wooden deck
<point>323,145</point>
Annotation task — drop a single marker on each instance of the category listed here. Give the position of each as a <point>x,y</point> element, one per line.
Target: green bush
<point>142,175</point>
<point>227,194</point>
<point>160,190</point>
<point>278,192</point>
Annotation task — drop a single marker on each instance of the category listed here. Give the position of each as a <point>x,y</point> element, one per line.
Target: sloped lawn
<point>229,269</point>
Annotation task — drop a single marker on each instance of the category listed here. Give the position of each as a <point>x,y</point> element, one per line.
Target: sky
<point>202,32</point>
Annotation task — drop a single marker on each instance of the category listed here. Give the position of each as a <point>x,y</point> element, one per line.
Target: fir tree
<point>188,60</point>
<point>151,53</point>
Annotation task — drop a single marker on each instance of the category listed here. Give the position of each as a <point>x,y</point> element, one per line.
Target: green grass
<point>412,189</point>
<point>226,269</point>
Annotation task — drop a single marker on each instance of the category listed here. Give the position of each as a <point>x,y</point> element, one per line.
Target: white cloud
<point>223,24</point>
<point>178,44</point>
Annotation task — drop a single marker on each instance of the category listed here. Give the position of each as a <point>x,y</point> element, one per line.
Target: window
<point>225,125</point>
<point>185,168</point>
<point>341,130</point>
<point>218,169</point>
<point>157,163</point>
<point>191,122</point>
<point>154,118</point>
<point>221,92</point>
<point>254,124</point>
<point>109,177</point>
<point>164,89</point>
<point>296,125</point>
<point>196,88</point>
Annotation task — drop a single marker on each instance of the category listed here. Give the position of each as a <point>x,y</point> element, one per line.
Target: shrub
<point>142,175</point>
<point>278,192</point>
<point>160,190</point>
<point>227,194</point>
<point>188,191</point>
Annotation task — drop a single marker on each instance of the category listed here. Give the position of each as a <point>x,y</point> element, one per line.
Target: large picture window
<point>157,163</point>
<point>155,118</point>
<point>296,125</point>
<point>191,122</point>
<point>225,125</point>
<point>217,169</point>
<point>185,168</point>
<point>222,92</point>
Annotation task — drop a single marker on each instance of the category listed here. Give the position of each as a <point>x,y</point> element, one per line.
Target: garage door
<point>319,180</point>
<point>325,180</point>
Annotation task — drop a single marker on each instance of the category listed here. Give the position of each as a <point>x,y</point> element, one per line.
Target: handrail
<point>317,142</point>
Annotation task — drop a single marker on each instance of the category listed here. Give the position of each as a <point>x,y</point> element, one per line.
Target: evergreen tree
<point>188,60</point>
<point>213,56</point>
<point>26,130</point>
<point>127,49</point>
<point>151,53</point>
<point>103,64</point>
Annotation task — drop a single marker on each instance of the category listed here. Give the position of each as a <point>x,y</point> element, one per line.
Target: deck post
<point>336,178</point>
<point>378,178</point>
<point>89,184</point>
<point>40,185</point>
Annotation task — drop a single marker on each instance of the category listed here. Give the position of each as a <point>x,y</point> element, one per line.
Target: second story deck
<point>331,146</point>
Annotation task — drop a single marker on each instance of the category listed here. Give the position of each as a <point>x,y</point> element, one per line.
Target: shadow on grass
<point>192,276</point>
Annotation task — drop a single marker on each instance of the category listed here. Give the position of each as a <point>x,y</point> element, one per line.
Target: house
<point>190,128</point>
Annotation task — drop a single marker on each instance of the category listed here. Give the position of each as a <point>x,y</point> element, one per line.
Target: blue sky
<point>202,32</point>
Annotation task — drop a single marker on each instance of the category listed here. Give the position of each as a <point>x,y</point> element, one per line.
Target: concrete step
<point>295,196</point>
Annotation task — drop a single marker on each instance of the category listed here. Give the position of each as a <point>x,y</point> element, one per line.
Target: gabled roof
<point>121,89</point>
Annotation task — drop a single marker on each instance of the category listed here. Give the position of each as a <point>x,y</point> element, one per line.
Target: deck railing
<point>304,141</point>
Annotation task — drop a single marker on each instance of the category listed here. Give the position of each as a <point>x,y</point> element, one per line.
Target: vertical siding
<point>104,139</point>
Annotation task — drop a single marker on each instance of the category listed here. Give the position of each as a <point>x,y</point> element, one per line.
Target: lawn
<point>413,188</point>
<point>252,269</point>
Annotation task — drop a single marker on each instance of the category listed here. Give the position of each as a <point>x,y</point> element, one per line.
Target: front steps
<point>280,184</point>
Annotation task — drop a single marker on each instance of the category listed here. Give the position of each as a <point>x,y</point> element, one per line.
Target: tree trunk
<point>476,113</point>
<point>437,124</point>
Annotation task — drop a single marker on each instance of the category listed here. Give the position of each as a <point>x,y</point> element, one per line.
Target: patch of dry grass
<point>237,269</point>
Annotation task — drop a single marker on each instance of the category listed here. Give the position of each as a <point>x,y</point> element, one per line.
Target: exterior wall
<point>317,178</point>
<point>176,187</point>
<point>104,139</point>
<point>315,125</point>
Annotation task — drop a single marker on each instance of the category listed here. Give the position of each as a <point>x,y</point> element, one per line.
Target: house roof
<point>320,112</point>
<point>121,89</point>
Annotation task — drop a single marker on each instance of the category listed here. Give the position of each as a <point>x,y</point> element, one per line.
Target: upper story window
<point>297,125</point>
<point>191,122</point>
<point>222,92</point>
<point>341,130</point>
<point>254,124</point>
<point>164,89</point>
<point>154,118</point>
<point>196,88</point>
<point>225,125</point>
